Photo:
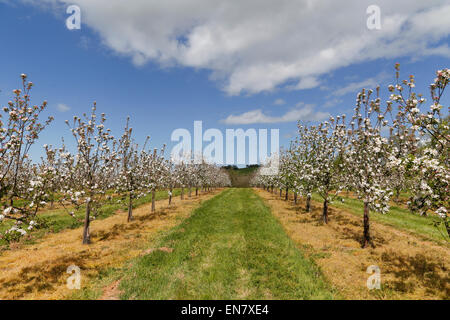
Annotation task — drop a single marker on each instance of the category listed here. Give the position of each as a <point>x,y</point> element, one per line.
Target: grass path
<point>232,247</point>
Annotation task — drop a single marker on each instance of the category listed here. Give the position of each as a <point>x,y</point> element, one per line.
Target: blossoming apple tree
<point>427,168</point>
<point>90,172</point>
<point>22,192</point>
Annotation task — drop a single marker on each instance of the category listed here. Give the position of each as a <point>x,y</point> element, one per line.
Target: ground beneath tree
<point>411,266</point>
<point>38,271</point>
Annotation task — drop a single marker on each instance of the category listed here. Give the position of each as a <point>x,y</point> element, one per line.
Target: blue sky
<point>170,90</point>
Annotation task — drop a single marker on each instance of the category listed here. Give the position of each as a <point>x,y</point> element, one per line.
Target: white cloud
<point>299,104</point>
<point>279,102</point>
<point>62,107</point>
<point>290,135</point>
<point>332,102</point>
<point>259,45</point>
<point>355,87</point>
<point>85,42</point>
<point>306,113</point>
<point>305,83</point>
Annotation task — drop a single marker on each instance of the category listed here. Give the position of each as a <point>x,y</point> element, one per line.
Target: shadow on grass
<point>408,270</point>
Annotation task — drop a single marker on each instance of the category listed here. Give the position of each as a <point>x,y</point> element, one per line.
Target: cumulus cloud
<point>304,83</point>
<point>355,87</point>
<point>62,107</point>
<point>252,46</point>
<point>279,102</point>
<point>332,102</point>
<point>306,113</point>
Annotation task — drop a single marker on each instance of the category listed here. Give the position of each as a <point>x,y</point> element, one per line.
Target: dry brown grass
<point>39,271</point>
<point>411,267</point>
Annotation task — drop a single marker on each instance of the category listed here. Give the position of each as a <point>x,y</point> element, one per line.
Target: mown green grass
<point>396,217</point>
<point>58,219</point>
<point>232,247</point>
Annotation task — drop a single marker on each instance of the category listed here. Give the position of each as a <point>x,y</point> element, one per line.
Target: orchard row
<point>382,150</point>
<point>102,168</point>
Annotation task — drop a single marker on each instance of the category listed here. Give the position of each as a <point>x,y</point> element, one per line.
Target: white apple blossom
<point>22,192</point>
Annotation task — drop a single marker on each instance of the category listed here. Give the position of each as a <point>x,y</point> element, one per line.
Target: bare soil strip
<point>411,267</point>
<point>39,271</point>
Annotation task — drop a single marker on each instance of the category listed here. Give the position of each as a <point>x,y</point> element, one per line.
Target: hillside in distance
<point>241,177</point>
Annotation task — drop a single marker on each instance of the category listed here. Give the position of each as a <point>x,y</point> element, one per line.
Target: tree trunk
<point>87,220</point>
<point>196,191</point>
<point>295,197</point>
<point>281,192</point>
<point>447,226</point>
<point>153,200</point>
<point>308,203</point>
<point>397,195</point>
<point>170,196</point>
<point>182,193</point>
<point>190,192</point>
<point>286,197</point>
<point>130,207</point>
<point>366,240</point>
<point>325,211</point>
